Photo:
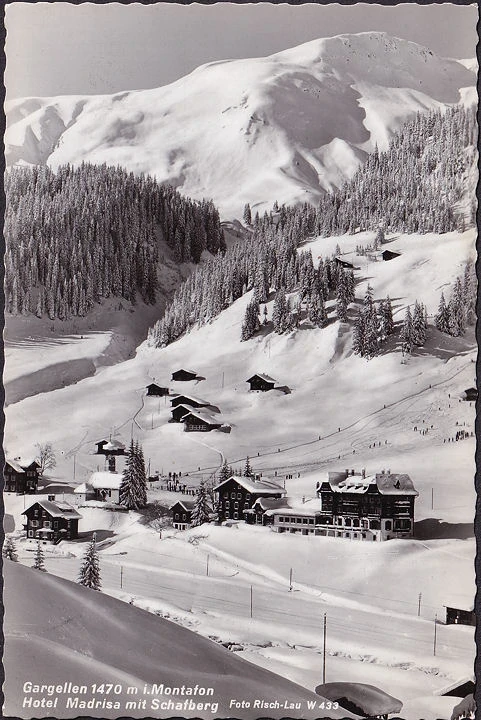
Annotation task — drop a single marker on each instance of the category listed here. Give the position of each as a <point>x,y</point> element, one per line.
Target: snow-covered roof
<point>190,397</point>
<point>262,376</point>
<point>63,510</point>
<point>387,483</point>
<point>26,462</point>
<point>105,480</point>
<point>81,489</point>
<point>453,686</point>
<point>459,602</point>
<point>153,384</point>
<point>111,444</point>
<point>371,700</point>
<point>264,487</point>
<point>15,465</point>
<point>204,416</point>
<point>188,505</point>
<point>192,372</point>
<point>268,503</point>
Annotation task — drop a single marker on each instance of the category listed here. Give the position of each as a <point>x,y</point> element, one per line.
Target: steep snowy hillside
<point>284,127</point>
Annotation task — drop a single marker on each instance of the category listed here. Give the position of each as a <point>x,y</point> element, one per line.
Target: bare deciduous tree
<point>46,457</point>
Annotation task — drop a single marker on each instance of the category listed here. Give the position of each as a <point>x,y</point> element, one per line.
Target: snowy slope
<point>283,127</point>
<point>78,635</point>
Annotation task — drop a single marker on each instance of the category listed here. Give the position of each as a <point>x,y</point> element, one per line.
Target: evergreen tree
<point>200,512</point>
<point>341,301</point>
<point>407,333</point>
<point>225,472</point>
<point>457,310</point>
<point>89,575</point>
<point>419,325</point>
<point>379,238</point>
<point>9,549</point>
<point>280,312</point>
<point>133,488</point>
<point>442,319</point>
<point>39,559</point>
<point>359,335</point>
<point>248,472</point>
<point>247,214</point>
<point>251,322</point>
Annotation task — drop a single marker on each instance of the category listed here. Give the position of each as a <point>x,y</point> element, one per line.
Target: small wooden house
<point>184,375</point>
<point>237,494</point>
<point>189,400</point>
<point>157,390</point>
<point>390,255</point>
<point>262,382</point>
<point>182,514</point>
<point>21,476</point>
<point>179,412</point>
<point>110,447</point>
<point>200,421</point>
<point>104,486</point>
<point>343,264</point>
<point>51,521</point>
<point>462,614</point>
<point>471,394</point>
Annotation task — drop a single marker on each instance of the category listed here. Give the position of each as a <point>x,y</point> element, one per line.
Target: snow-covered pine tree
<point>442,319</point>
<point>457,310</point>
<point>341,300</point>
<point>200,511</point>
<point>359,335</point>
<point>133,488</point>
<point>225,472</point>
<point>388,322</point>
<point>379,238</point>
<point>470,287</point>
<point>89,574</point>
<point>265,315</point>
<point>251,322</point>
<point>248,472</point>
<point>407,332</point>
<point>371,334</point>
<point>9,549</point>
<point>39,559</point>
<point>316,311</point>
<point>247,214</point>
<point>280,311</point>
<point>419,325</point>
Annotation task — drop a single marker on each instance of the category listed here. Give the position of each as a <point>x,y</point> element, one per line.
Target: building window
<point>55,524</point>
<point>304,522</point>
<point>226,495</point>
<point>232,495</point>
<point>388,525</point>
<point>239,496</point>
<point>46,523</point>
<point>248,496</point>
<point>35,513</point>
<point>236,516</point>
<point>347,522</point>
<point>30,533</point>
<point>183,516</point>
<point>34,523</point>
<point>355,522</point>
<point>176,516</point>
<point>365,525</point>
<point>236,505</point>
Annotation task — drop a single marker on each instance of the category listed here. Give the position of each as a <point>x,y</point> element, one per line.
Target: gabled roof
<point>188,505</point>
<point>27,462</point>
<point>204,416</point>
<point>114,445</point>
<point>189,397</point>
<point>80,489</point>
<point>268,503</point>
<point>191,372</point>
<point>63,510</point>
<point>105,480</point>
<point>261,487</point>
<point>153,384</point>
<point>262,376</point>
<point>15,465</point>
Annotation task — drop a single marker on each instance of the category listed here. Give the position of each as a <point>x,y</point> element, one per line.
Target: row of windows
<point>303,521</point>
<point>233,496</point>
<point>177,516</point>
<point>236,505</point>
<point>45,524</point>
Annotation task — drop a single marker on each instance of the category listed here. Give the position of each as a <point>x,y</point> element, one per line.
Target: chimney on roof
<point>363,472</point>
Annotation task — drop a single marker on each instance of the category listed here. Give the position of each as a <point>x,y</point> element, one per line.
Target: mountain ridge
<point>289,126</point>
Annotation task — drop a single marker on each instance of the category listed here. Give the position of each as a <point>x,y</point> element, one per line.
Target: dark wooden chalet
<point>262,382</point>
<point>471,394</point>
<point>182,514</point>
<point>179,412</point>
<point>190,400</point>
<point>110,447</point>
<point>51,521</point>
<point>200,421</point>
<point>21,476</point>
<point>464,615</point>
<point>237,494</point>
<point>184,375</point>
<point>157,390</point>
<point>380,506</point>
<point>344,263</point>
<point>390,255</point>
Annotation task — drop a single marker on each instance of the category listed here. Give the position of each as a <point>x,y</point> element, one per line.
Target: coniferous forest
<point>415,186</point>
<point>78,235</point>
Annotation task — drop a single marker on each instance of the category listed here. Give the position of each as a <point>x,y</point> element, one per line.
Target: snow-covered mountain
<point>285,127</point>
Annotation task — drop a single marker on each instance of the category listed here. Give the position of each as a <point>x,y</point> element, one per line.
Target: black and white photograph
<point>240,360</point>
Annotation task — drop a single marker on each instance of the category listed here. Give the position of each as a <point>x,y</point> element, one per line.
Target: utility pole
<point>74,467</point>
<point>251,600</point>
<point>152,422</point>
<point>290,580</point>
<point>121,576</point>
<point>207,567</point>
<point>222,380</point>
<point>435,630</point>
<point>419,604</point>
<point>324,650</point>
<point>432,498</point>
